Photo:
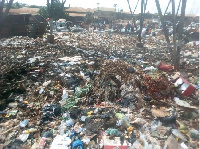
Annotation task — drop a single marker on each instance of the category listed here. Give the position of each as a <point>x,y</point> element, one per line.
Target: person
<point>132,27</point>
<point>147,29</point>
<point>149,32</point>
<point>177,26</point>
<point>143,32</point>
<point>121,26</point>
<point>128,27</point>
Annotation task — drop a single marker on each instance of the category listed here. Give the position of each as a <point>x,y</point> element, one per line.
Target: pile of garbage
<point>95,90</point>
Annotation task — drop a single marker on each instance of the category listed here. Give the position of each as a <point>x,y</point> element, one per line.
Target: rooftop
<point>23,10</point>
<point>77,15</point>
<point>105,9</point>
<point>80,9</point>
<point>76,9</point>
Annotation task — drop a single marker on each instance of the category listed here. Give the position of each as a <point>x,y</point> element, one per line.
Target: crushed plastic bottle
<point>23,137</point>
<point>146,144</point>
<point>178,134</point>
<point>83,118</point>
<point>62,128</point>
<point>70,122</point>
<point>45,84</point>
<point>23,123</point>
<point>41,90</point>
<point>125,122</point>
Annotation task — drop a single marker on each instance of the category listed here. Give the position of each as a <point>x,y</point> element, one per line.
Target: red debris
<point>165,67</point>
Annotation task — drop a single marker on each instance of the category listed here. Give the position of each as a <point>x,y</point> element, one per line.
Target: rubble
<point>93,90</point>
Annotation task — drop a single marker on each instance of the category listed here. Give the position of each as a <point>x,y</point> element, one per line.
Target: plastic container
<point>178,134</point>
<point>23,123</point>
<point>83,118</point>
<point>70,122</point>
<point>62,128</point>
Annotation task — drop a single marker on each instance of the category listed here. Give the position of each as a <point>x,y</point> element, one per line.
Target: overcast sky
<point>193,6</point>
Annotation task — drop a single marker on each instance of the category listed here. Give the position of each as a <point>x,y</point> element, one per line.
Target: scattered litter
<point>97,90</point>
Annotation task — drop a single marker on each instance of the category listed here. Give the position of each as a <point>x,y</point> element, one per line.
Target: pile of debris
<point>93,90</point>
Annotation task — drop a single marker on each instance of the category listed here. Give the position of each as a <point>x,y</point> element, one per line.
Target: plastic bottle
<point>62,128</point>
<point>83,118</point>
<point>24,123</point>
<point>65,94</point>
<point>70,122</point>
<point>41,90</point>
<point>178,134</point>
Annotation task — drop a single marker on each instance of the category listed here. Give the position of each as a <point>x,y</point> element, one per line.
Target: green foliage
<point>58,11</point>
<point>169,13</point>
<point>34,6</point>
<point>44,12</point>
<point>16,5</point>
<point>89,17</point>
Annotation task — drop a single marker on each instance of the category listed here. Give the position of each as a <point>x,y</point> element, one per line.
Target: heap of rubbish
<point>97,90</point>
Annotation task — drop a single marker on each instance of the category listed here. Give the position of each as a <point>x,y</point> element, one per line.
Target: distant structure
<point>23,22</point>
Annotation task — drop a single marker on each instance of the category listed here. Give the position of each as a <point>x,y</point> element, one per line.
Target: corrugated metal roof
<point>75,9</point>
<point>23,10</point>
<point>80,9</point>
<point>77,15</point>
<point>190,15</point>
<point>105,9</point>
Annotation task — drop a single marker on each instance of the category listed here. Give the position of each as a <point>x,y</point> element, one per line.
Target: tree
<point>115,5</point>
<point>169,13</point>
<point>44,12</point>
<point>1,6</point>
<point>57,10</point>
<point>3,15</point>
<point>16,5</point>
<point>88,18</point>
<point>34,6</point>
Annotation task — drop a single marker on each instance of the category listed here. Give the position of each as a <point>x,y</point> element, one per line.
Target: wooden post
<point>141,20</point>
<point>50,38</point>
<point>180,32</point>
<point>178,7</point>
<point>164,25</point>
<point>132,13</point>
<point>51,18</point>
<point>145,6</point>
<point>174,32</point>
<point>167,7</point>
